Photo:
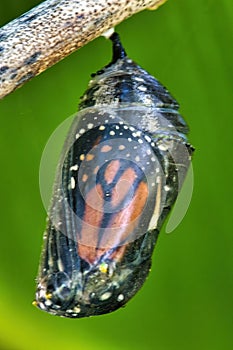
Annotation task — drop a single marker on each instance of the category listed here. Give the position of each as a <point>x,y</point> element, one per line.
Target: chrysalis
<point>122,166</point>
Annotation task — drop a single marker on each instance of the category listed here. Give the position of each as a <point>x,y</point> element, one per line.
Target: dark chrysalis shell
<point>122,166</point>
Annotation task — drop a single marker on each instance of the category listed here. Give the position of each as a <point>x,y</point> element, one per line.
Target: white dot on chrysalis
<point>120,297</point>
<point>72,182</point>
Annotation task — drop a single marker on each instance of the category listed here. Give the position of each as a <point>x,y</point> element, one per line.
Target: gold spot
<point>82,157</point>
<point>48,295</point>
<point>34,303</point>
<point>106,148</point>
<point>89,157</point>
<point>103,267</point>
<point>121,147</point>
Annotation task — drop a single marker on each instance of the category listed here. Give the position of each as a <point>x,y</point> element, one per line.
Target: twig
<point>54,29</point>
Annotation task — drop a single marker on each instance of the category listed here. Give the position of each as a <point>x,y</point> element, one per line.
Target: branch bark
<point>52,30</point>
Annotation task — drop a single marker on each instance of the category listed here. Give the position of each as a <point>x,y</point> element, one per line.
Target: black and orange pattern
<point>121,169</point>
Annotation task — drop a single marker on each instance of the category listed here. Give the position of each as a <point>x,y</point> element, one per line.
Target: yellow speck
<point>48,295</point>
<point>103,267</point>
<point>34,303</point>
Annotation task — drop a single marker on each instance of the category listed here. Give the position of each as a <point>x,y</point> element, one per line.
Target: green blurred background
<point>187,302</point>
